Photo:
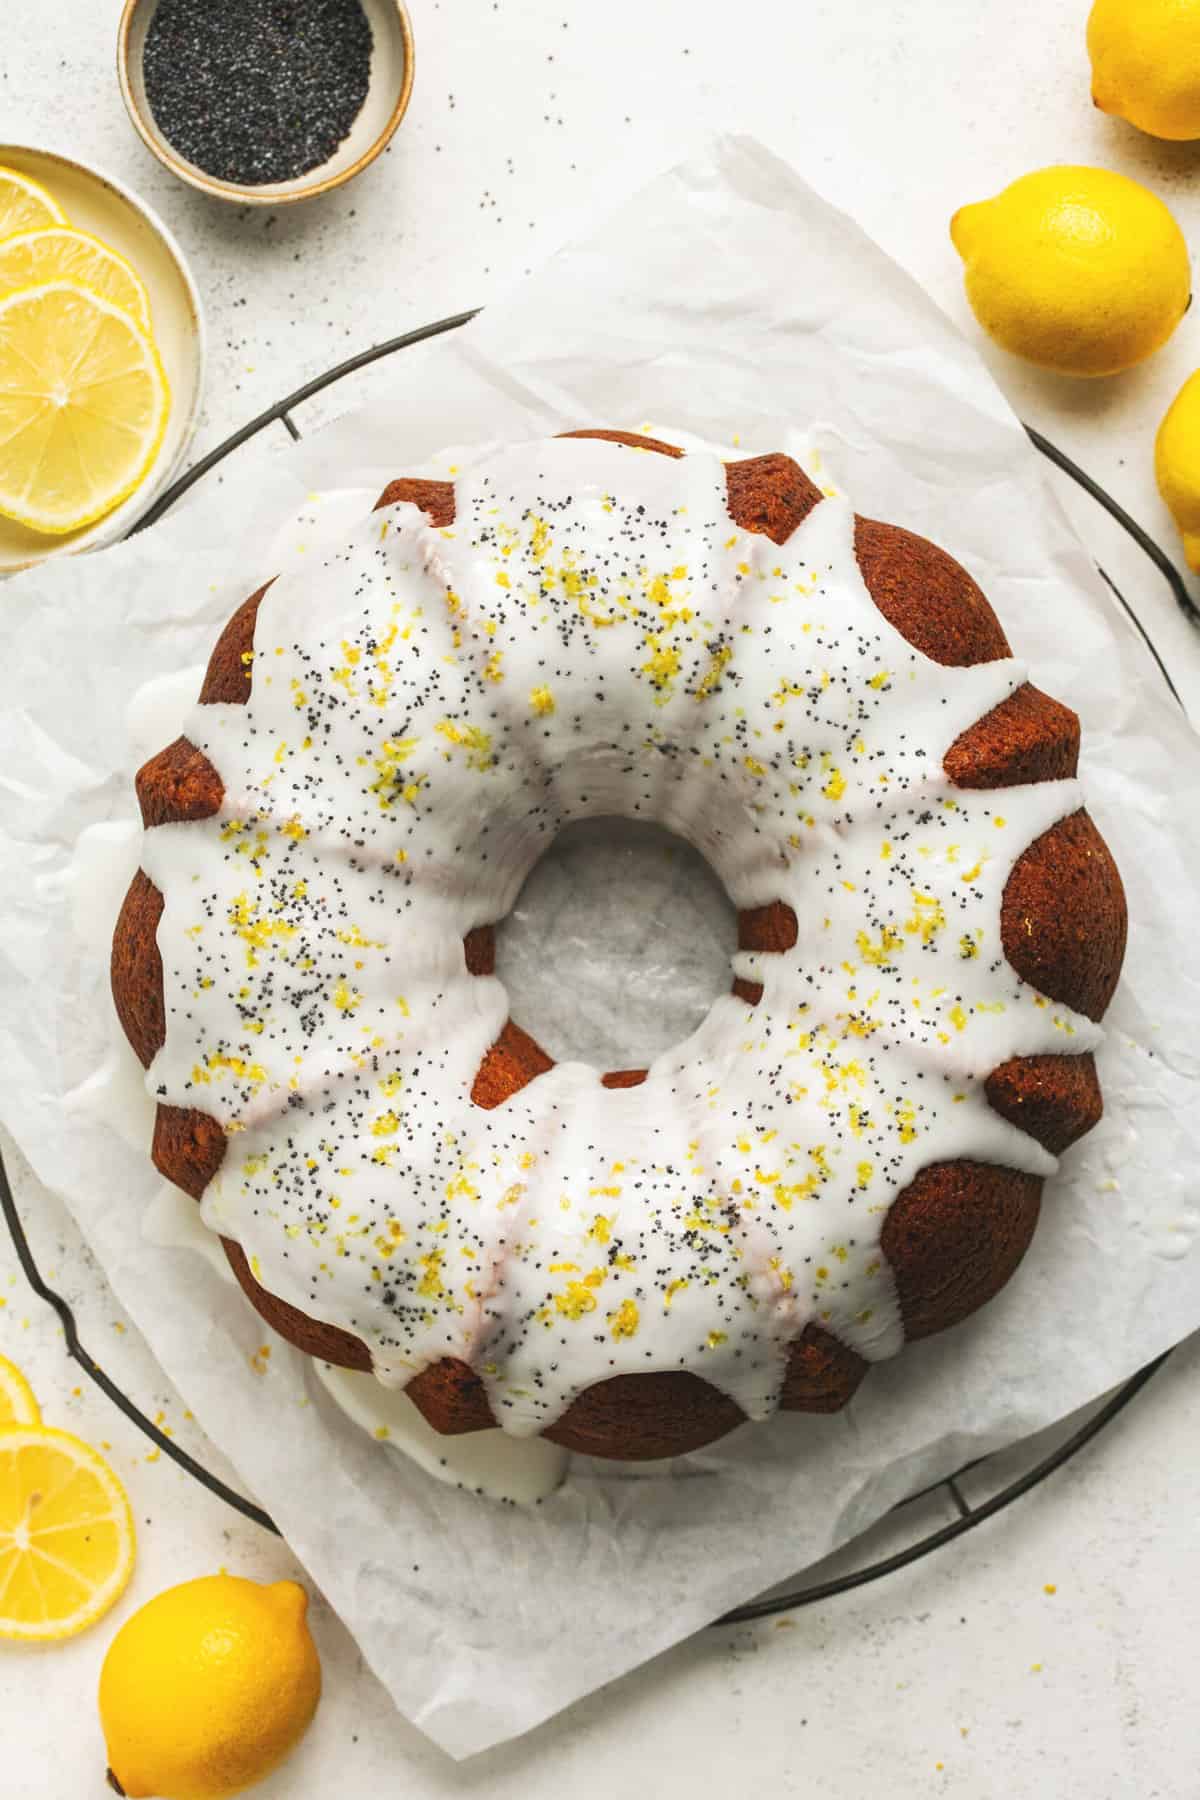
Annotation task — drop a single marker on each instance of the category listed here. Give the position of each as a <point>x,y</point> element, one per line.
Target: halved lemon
<point>17,1403</point>
<point>59,253</point>
<point>25,205</point>
<point>83,406</point>
<point>66,1535</point>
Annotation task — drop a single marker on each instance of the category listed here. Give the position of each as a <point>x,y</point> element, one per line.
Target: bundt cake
<point>848,1153</point>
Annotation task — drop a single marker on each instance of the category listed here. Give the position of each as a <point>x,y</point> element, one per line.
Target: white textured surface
<point>549,121</point>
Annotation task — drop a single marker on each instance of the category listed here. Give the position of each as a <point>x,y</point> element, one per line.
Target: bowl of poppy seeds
<point>264,102</point>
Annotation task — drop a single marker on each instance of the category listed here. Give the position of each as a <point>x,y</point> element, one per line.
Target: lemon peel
<point>17,1403</point>
<point>61,253</point>
<point>25,205</point>
<point>84,404</point>
<point>1177,465</point>
<point>67,1542</point>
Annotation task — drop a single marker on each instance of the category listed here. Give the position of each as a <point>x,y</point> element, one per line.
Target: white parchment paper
<point>728,300</point>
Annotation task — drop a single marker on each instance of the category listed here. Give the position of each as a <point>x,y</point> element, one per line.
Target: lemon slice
<point>17,1404</point>
<point>59,253</point>
<point>25,205</point>
<point>66,1535</point>
<point>83,406</point>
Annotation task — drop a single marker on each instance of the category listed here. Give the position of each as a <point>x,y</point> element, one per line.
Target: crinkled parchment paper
<point>728,300</point>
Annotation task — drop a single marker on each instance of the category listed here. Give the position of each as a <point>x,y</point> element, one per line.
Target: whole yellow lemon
<point>208,1688</point>
<point>1146,64</point>
<point>1079,270</point>
<point>1177,464</point>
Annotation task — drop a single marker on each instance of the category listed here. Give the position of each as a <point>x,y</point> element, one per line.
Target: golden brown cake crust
<point>927,596</point>
<point>177,785</point>
<point>435,498</point>
<point>231,665</point>
<point>1063,920</point>
<point>956,1234</point>
<point>136,969</point>
<point>667,1413</point>
<point>953,1238</point>
<point>822,1373</point>
<point>1028,737</point>
<point>188,1147</point>
<point>631,439</point>
<point>1056,1099</point>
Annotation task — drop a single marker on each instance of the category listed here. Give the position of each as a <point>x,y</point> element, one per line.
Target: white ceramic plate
<point>105,207</point>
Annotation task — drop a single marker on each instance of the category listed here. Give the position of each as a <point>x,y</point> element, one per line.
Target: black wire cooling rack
<point>969,1516</point>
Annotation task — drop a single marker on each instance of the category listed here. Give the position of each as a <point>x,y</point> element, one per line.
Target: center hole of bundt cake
<point>619,942</point>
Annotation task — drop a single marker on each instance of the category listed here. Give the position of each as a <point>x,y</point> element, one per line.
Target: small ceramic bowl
<point>100,204</point>
<point>391,82</point>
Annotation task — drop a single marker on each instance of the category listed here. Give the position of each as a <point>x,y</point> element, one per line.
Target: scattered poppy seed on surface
<point>257,91</point>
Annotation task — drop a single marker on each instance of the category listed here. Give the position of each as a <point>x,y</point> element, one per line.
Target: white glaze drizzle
<point>158,708</point>
<point>103,864</point>
<point>516,1471</point>
<point>172,1221</point>
<point>592,635</point>
<point>521,1471</point>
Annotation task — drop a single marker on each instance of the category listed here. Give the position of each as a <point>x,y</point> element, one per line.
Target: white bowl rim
<point>130,511</point>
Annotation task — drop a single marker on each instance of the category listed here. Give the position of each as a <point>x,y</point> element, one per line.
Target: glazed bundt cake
<point>848,1154</point>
